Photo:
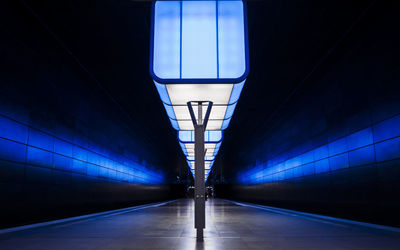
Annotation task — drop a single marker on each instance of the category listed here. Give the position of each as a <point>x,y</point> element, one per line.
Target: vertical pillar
<point>180,180</point>
<point>213,183</point>
<point>199,190</point>
<point>220,170</point>
<point>187,182</point>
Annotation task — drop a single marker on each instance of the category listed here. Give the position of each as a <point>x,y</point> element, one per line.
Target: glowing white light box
<point>199,52</point>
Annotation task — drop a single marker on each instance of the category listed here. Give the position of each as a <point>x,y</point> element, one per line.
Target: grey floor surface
<point>229,226</point>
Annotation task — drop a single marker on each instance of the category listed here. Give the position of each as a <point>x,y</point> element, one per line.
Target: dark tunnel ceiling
<point>111,39</point>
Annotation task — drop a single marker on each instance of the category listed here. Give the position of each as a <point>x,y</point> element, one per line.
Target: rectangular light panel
<point>199,53</point>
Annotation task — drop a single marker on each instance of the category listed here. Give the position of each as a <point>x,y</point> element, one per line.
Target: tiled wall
<point>52,168</point>
<point>376,143</point>
<point>32,148</point>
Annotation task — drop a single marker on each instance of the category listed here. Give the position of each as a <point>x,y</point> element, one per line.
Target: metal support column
<point>199,185</point>
<point>199,154</point>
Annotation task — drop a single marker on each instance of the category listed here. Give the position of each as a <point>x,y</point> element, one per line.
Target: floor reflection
<point>228,226</point>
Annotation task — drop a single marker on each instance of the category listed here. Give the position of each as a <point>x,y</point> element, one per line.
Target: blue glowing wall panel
<point>22,144</point>
<point>388,150</point>
<point>199,40</point>
<point>12,151</point>
<point>377,143</point>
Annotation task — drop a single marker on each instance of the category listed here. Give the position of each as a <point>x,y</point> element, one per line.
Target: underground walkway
<point>229,226</point>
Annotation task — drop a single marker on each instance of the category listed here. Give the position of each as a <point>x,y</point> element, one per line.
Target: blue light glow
<point>186,136</point>
<point>167,39</point>
<point>230,39</point>
<point>237,89</point>
<point>213,136</point>
<point>225,124</point>
<point>377,143</point>
<point>199,50</point>
<point>23,144</point>
<point>199,40</point>
<point>162,91</point>
<point>206,158</point>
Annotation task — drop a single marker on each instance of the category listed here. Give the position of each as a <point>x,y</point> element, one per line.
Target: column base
<point>200,236</point>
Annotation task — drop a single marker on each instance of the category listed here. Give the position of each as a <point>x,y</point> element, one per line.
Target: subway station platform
<point>229,226</point>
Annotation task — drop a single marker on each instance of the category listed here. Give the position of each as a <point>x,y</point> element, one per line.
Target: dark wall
<point>66,147</point>
<point>334,147</point>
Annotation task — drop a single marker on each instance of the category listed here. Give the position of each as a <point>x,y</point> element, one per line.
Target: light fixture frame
<point>165,81</point>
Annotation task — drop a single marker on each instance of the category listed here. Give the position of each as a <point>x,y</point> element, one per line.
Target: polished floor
<point>229,226</point>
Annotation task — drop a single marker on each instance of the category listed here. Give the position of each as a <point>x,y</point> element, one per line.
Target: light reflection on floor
<point>229,226</point>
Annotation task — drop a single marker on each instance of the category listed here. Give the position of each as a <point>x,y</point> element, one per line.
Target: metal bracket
<point>207,116</point>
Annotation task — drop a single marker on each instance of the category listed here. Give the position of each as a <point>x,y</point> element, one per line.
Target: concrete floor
<point>229,226</point>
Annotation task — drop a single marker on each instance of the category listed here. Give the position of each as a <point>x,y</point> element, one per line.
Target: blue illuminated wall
<point>64,159</point>
<point>21,145</point>
<point>377,143</point>
<point>334,147</point>
<point>66,148</point>
<point>55,162</point>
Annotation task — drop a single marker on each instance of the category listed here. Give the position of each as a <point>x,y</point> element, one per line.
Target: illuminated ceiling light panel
<point>208,165</point>
<point>212,139</point>
<point>206,172</point>
<point>211,150</point>
<point>210,136</point>
<point>209,158</point>
<point>199,52</point>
